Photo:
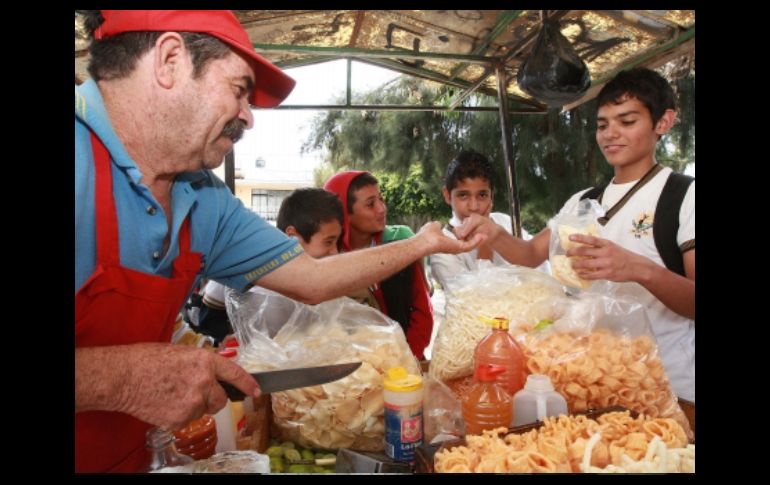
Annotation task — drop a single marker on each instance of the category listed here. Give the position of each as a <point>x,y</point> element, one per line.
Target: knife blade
<point>281,380</point>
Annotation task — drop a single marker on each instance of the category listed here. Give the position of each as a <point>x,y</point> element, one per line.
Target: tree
<point>555,154</point>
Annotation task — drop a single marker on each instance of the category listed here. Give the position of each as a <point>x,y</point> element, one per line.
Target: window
<point>267,202</point>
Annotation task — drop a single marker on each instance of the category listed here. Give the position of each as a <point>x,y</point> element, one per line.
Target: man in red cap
<point>169,96</point>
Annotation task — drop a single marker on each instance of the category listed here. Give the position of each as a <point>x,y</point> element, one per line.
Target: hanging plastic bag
<point>553,73</point>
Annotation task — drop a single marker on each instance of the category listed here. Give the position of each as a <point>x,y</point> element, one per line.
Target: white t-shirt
<point>631,228</point>
<point>444,266</point>
<point>214,295</point>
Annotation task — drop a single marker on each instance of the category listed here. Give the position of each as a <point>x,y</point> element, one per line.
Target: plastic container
<point>231,343</point>
<point>500,349</point>
<point>228,417</point>
<point>537,400</point>
<point>487,405</point>
<point>163,453</point>
<point>403,414</point>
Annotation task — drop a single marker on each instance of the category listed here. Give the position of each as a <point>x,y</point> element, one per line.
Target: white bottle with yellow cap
<point>403,414</point>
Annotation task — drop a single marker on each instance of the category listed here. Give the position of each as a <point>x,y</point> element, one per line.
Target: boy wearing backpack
<point>648,231</point>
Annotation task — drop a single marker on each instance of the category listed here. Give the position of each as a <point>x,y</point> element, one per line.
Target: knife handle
<point>233,393</point>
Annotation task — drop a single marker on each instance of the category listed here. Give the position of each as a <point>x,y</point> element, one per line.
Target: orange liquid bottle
<point>499,348</point>
<point>486,405</point>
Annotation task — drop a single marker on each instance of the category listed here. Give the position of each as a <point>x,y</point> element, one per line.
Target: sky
<point>278,135</point>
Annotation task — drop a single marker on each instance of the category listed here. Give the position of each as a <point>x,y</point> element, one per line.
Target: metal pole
<point>347,90</point>
<point>510,163</point>
<point>398,107</point>
<point>230,170</point>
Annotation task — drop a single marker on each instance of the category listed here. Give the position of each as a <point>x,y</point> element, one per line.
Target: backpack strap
<point>666,223</point>
<point>594,193</point>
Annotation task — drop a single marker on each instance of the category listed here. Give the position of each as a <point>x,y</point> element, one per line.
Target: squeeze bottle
<point>537,400</point>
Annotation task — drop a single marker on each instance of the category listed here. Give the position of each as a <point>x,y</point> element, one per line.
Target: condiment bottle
<point>403,413</point>
<point>198,439</point>
<point>537,400</point>
<point>160,442</point>
<point>500,349</point>
<point>487,405</point>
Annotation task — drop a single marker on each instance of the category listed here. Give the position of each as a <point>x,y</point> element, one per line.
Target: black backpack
<point>666,223</point>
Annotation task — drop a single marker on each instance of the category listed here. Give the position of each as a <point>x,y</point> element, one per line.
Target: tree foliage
<point>555,154</point>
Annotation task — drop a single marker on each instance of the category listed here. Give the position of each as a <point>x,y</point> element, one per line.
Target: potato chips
<point>349,412</point>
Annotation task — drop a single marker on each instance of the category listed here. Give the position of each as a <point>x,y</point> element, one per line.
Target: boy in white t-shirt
<point>635,109</point>
<point>469,189</point>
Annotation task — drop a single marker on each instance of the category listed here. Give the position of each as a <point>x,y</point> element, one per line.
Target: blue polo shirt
<point>237,245</point>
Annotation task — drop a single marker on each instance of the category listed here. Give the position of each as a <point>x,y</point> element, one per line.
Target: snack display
<point>565,444</point>
<point>603,369</point>
<point>514,293</point>
<point>349,412</point>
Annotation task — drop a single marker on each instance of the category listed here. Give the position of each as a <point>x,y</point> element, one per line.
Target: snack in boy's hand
<point>566,231</point>
<point>561,266</point>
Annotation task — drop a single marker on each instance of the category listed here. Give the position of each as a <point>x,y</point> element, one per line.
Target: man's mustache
<point>234,129</point>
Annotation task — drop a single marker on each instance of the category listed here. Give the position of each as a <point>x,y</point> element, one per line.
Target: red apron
<point>118,306</point>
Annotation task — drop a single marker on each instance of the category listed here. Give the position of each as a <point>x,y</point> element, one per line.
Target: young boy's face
<point>625,133</point>
<point>368,212</point>
<point>324,241</point>
<point>470,196</point>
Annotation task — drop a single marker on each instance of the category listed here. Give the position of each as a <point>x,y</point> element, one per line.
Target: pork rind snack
<point>570,444</point>
<point>601,352</point>
<point>517,293</point>
<point>581,220</point>
<point>347,413</point>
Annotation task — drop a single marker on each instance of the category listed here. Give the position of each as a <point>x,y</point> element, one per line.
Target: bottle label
<point>403,431</point>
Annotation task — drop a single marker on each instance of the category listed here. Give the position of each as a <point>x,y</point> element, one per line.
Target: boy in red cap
<point>404,297</point>
<point>171,92</point>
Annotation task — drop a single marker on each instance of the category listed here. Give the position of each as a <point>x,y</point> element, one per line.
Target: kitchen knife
<point>281,380</point>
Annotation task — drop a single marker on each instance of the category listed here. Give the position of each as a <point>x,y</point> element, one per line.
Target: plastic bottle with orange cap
<point>499,348</point>
<point>487,405</point>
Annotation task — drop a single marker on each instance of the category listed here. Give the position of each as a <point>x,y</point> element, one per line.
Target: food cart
<point>476,51</point>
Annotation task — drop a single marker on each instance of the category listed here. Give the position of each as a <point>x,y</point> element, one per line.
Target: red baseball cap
<point>272,84</point>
